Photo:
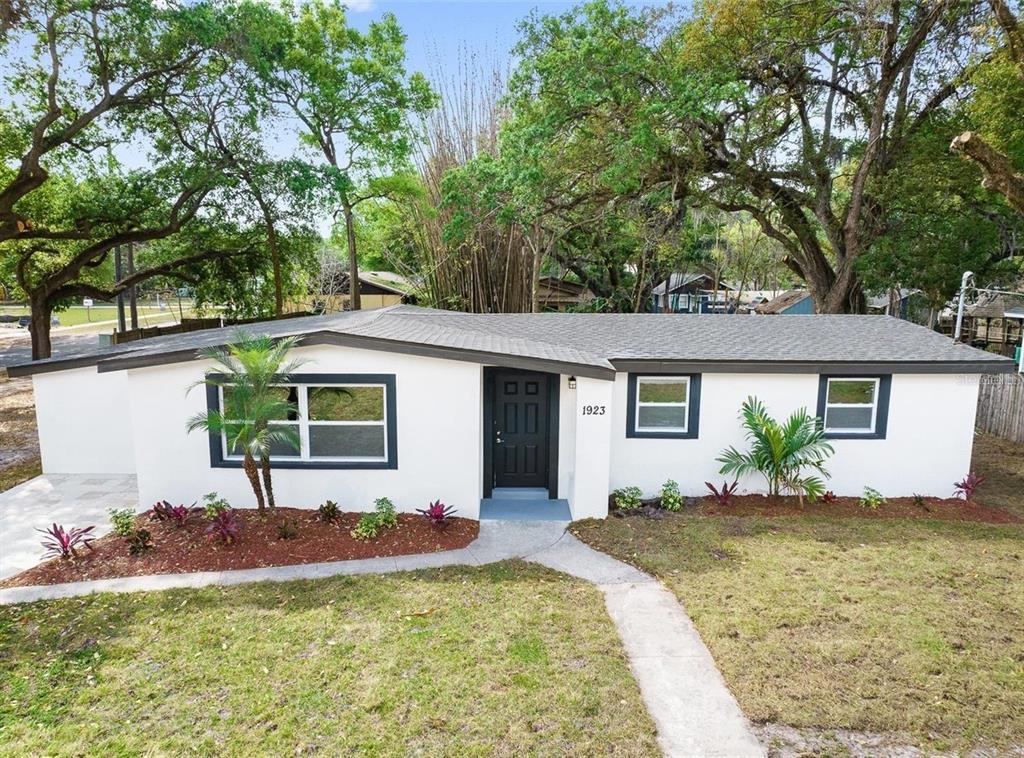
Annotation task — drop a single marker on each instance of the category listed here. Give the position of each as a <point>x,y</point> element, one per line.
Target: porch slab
<point>519,508</point>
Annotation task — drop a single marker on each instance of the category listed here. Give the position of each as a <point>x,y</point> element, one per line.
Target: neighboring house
<point>567,405</point>
<point>690,293</point>
<point>790,302</point>
<point>996,320</point>
<point>377,289</point>
<point>554,294</point>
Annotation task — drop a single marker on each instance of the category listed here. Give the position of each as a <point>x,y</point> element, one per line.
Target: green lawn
<point>509,659</point>
<point>870,625</point>
<point>78,315</point>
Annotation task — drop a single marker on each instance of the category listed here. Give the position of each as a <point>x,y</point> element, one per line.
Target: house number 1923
<point>593,410</point>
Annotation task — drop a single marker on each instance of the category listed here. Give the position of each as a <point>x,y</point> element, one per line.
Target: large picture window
<point>663,406</point>
<point>854,406</point>
<point>342,421</point>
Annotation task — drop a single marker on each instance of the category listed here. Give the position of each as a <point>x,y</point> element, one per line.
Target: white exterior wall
<point>594,448</point>
<point>439,437</point>
<point>927,445</point>
<point>84,422</point>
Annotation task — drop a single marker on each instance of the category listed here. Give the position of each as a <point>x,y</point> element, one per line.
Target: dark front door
<point>521,421</point>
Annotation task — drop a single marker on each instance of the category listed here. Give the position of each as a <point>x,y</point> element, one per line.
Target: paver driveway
<point>67,499</point>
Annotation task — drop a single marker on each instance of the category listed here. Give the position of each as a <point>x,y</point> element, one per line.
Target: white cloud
<point>359,6</point>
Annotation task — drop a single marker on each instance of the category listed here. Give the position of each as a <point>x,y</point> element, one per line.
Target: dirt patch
<point>188,549</point>
<point>939,509</point>
<point>20,443</point>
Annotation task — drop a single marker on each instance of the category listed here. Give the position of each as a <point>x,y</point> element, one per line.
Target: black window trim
<point>692,408</point>
<point>881,406</point>
<point>217,459</point>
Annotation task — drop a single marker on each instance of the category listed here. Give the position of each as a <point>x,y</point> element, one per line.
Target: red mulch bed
<point>189,549</point>
<point>948,509</point>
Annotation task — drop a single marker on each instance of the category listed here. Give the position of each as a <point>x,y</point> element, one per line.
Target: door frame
<point>554,384</point>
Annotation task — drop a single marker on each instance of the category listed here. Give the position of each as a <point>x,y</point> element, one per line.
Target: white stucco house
<point>558,407</point>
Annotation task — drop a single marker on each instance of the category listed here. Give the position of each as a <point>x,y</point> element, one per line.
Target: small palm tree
<point>248,370</point>
<point>781,452</point>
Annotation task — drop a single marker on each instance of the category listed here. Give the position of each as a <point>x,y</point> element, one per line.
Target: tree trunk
<point>133,299</point>
<point>353,260</point>
<point>267,487</point>
<point>41,311</point>
<point>253,474</point>
<point>275,258</point>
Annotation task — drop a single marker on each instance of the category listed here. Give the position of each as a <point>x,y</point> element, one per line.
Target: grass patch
<point>858,624</point>
<point>14,475</point>
<point>510,659</point>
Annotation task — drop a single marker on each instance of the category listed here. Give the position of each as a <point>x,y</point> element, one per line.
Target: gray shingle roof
<point>596,342</point>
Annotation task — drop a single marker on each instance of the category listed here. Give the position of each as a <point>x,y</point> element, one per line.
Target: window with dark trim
<point>854,407</point>
<point>663,406</point>
<point>343,421</point>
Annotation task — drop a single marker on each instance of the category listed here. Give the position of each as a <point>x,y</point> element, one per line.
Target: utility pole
<point>964,280</point>
<point>120,295</point>
<point>133,303</point>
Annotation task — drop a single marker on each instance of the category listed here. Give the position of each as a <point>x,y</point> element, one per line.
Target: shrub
<point>328,512</point>
<point>781,452</point>
<point>288,529</point>
<point>627,498</point>
<point>919,501</point>
<point>214,504</point>
<point>66,542</point>
<point>872,499</point>
<point>437,513</point>
<point>139,541</point>
<point>179,515</point>
<point>385,512</point>
<point>225,527</point>
<point>367,528</point>
<point>123,521</point>
<point>829,497</point>
<point>723,496</point>
<point>671,499</point>
<point>965,487</point>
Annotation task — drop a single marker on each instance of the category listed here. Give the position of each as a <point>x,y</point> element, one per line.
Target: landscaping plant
<point>872,499</point>
<point>328,512</point>
<point>288,529</point>
<point>248,372</point>
<point>829,497</point>
<point>179,515</point>
<point>782,453</point>
<point>139,541</point>
<point>225,527</point>
<point>671,499</point>
<point>919,501</point>
<point>437,513</point>
<point>214,504</point>
<point>723,496</point>
<point>122,520</point>
<point>64,543</point>
<point>367,528</point>
<point>627,498</point>
<point>384,510</point>
<point>965,487</point>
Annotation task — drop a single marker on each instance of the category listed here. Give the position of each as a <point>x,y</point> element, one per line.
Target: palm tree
<point>781,452</point>
<point>249,370</point>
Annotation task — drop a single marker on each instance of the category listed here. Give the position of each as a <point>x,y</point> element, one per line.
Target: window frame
<point>692,404</point>
<point>880,415</point>
<point>218,443</point>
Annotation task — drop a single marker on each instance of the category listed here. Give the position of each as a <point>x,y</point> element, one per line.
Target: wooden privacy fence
<point>1001,405</point>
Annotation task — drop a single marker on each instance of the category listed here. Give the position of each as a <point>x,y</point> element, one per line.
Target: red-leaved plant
<point>723,496</point>
<point>829,497</point>
<point>437,513</point>
<point>225,527</point>
<point>179,515</point>
<point>65,542</point>
<point>966,487</point>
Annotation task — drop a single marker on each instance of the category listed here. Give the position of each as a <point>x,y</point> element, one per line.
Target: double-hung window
<point>340,421</point>
<point>854,406</point>
<point>663,406</point>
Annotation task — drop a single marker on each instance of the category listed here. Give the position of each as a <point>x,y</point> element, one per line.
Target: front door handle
<point>497,439</point>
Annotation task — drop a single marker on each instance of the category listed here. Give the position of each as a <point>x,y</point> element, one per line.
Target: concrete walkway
<point>68,499</point>
<point>682,688</point>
